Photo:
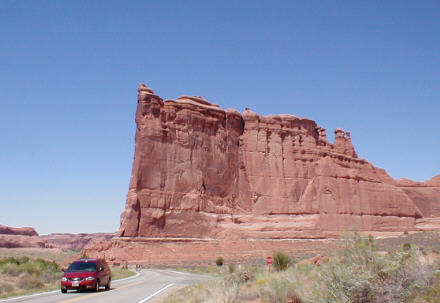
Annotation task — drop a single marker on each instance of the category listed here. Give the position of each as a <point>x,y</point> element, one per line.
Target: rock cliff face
<point>426,195</point>
<point>203,172</point>
<point>23,231</point>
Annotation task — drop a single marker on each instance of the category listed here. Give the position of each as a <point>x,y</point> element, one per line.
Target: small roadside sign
<point>269,260</point>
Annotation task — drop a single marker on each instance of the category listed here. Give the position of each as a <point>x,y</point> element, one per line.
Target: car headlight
<point>90,278</point>
<point>64,279</point>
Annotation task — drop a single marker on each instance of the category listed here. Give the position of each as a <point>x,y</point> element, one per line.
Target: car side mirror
<point>101,269</point>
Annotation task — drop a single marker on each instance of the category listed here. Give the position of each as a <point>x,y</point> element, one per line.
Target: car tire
<point>109,284</point>
<point>63,290</point>
<point>97,285</point>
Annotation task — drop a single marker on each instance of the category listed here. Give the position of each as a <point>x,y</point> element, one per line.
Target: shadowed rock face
<point>201,171</point>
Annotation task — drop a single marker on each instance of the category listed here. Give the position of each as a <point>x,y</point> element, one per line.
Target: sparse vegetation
<point>121,273</point>
<point>219,261</point>
<point>359,273</point>
<point>281,261</point>
<point>24,274</point>
<point>211,270</point>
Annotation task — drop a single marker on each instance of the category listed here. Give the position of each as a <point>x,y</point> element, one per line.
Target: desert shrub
<point>231,268</point>
<point>29,282</point>
<point>281,261</point>
<point>9,260</point>
<point>219,261</point>
<point>6,288</point>
<point>406,246</point>
<point>10,269</point>
<point>49,276</point>
<point>240,277</point>
<point>31,268</point>
<point>358,274</point>
<point>280,291</point>
<point>245,276</point>
<point>38,266</point>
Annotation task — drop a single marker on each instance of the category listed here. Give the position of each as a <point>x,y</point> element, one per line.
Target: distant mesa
<point>27,237</point>
<point>23,231</point>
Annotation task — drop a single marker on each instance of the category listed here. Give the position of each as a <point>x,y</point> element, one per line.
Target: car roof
<point>86,260</point>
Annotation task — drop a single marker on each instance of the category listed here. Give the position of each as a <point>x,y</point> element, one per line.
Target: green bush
<point>38,266</point>
<point>281,261</point>
<point>219,261</point>
<point>9,260</point>
<point>231,268</point>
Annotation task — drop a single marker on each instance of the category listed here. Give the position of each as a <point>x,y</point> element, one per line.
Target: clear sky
<point>69,71</point>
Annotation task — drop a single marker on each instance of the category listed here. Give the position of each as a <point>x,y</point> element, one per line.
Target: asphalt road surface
<point>145,287</point>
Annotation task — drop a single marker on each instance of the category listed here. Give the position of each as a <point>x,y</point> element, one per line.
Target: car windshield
<point>82,266</point>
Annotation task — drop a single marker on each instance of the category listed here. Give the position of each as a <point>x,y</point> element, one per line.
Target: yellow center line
<point>80,298</point>
<point>97,293</point>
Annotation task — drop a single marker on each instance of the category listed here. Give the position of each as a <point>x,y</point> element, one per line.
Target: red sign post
<point>269,261</point>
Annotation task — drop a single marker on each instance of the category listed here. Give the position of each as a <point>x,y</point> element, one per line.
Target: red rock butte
<point>202,172</point>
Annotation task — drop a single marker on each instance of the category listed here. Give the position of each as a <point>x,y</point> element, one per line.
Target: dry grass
<point>121,273</point>
<point>359,273</point>
<point>52,254</point>
<point>26,275</point>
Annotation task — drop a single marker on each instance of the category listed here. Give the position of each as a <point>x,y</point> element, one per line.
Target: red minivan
<point>87,274</point>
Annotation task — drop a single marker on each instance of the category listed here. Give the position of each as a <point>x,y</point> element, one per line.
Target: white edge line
<point>29,296</point>
<point>156,293</point>
<point>54,291</point>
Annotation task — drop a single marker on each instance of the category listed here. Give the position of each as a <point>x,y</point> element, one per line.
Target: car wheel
<point>109,285</point>
<point>63,290</point>
<point>97,285</point>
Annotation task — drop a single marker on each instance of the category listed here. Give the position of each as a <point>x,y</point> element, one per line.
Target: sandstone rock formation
<point>11,237</point>
<point>23,231</point>
<point>80,241</point>
<point>203,172</point>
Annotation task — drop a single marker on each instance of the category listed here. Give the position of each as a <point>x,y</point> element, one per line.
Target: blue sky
<point>69,71</point>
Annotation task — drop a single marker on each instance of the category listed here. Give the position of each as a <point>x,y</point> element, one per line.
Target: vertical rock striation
<point>200,171</point>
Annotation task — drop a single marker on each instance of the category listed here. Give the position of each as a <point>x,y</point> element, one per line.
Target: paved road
<point>141,289</point>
